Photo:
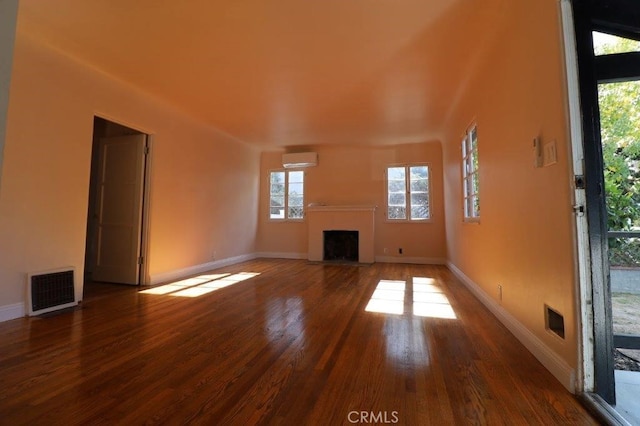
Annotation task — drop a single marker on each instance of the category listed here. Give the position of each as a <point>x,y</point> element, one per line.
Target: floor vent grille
<point>51,291</point>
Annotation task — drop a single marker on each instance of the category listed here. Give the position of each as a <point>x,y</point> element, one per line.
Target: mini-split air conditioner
<point>299,159</point>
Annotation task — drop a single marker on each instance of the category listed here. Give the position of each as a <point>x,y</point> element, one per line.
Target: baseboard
<point>552,362</point>
<point>381,259</point>
<point>198,269</point>
<point>281,255</point>
<point>9,312</point>
<point>413,260</point>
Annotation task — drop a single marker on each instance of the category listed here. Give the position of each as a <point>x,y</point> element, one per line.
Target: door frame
<point>621,18</point>
<point>143,274</point>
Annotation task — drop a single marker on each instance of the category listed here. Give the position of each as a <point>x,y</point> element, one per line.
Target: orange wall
<point>524,241</point>
<point>8,14</point>
<point>203,185</point>
<point>354,175</point>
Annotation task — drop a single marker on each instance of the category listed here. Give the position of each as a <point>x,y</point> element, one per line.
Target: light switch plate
<point>550,154</point>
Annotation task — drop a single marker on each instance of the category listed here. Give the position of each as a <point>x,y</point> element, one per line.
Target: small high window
<point>470,175</point>
<point>408,193</point>
<point>286,195</point>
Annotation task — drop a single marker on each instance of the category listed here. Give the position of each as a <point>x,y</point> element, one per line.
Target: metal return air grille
<point>51,291</point>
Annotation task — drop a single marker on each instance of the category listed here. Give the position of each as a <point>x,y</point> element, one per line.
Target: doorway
<point>115,250</point>
<point>608,54</point>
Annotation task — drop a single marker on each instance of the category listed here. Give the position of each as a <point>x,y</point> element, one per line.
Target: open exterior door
<point>620,18</point>
<point>119,209</point>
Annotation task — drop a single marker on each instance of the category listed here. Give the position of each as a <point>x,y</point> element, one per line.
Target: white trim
<point>584,288</point>
<point>336,208</point>
<point>281,255</point>
<point>412,260</point>
<point>552,362</point>
<point>198,269</point>
<point>9,312</point>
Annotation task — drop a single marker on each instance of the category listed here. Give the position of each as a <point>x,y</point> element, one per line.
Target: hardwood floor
<point>293,345</point>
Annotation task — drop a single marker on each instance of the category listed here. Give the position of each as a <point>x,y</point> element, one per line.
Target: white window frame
<point>285,207</point>
<point>471,175</point>
<point>408,217</point>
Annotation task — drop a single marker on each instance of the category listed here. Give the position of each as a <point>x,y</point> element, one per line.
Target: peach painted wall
<point>8,16</point>
<point>203,185</point>
<point>354,175</point>
<point>524,240</point>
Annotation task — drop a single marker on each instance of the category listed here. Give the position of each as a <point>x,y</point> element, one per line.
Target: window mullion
<point>286,195</point>
<point>407,200</point>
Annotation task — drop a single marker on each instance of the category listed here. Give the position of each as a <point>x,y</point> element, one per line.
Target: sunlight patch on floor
<point>422,297</point>
<point>429,300</point>
<point>388,298</point>
<point>200,285</point>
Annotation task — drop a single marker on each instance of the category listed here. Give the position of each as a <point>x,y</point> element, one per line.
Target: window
<point>470,175</point>
<point>286,195</point>
<point>408,193</point>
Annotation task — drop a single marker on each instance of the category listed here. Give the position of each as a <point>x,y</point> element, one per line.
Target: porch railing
<point>625,253</point>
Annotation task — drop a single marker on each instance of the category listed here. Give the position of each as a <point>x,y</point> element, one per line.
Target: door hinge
<point>578,209</point>
<point>140,260</point>
<point>146,150</point>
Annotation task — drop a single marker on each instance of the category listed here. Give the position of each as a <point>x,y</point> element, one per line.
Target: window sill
<point>412,222</point>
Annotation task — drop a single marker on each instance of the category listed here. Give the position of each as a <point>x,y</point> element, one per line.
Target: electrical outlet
<point>386,250</point>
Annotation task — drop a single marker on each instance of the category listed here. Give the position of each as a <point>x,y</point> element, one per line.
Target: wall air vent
<point>296,160</point>
<point>50,291</point>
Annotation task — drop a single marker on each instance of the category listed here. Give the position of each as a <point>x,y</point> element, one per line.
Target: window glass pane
<point>296,189</point>
<point>277,201</point>
<point>296,200</point>
<point>473,137</point>
<point>418,172</point>
<point>295,177</point>
<point>397,199</point>
<point>395,173</point>
<point>474,179</point>
<point>396,186</point>
<point>419,212</point>
<point>295,212</point>
<point>397,212</point>
<point>419,199</point>
<point>420,185</point>
<point>607,44</point>
<point>277,213</point>
<point>277,189</point>
<point>277,177</point>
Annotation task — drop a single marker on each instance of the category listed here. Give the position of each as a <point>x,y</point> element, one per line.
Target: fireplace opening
<point>341,246</point>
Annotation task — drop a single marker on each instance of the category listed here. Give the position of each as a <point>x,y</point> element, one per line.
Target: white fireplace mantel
<point>341,218</point>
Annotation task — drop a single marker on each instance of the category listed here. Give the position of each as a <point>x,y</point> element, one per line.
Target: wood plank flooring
<point>293,345</point>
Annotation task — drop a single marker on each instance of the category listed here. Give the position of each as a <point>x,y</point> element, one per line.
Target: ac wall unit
<point>299,159</point>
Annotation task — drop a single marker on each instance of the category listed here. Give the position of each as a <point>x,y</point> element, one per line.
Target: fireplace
<point>341,245</point>
<point>358,219</point>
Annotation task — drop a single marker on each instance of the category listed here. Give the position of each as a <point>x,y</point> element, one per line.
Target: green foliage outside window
<point>619,105</point>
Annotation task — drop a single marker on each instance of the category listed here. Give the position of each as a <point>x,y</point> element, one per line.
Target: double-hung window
<point>286,194</point>
<point>408,193</point>
<point>470,175</point>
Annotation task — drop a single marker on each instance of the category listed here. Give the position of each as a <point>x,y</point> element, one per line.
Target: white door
<point>119,209</point>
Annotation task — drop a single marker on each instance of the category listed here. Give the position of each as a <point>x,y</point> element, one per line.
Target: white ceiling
<point>284,72</point>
